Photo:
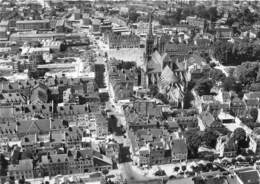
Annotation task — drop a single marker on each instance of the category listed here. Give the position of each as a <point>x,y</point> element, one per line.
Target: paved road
<point>133,177</point>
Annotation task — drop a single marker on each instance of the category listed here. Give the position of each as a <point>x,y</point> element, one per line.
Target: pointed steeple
<point>150,33</point>
<point>149,38</point>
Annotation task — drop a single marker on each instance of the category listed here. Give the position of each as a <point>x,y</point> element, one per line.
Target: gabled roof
<point>156,62</point>
<point>207,118</point>
<point>167,76</point>
<point>38,126</point>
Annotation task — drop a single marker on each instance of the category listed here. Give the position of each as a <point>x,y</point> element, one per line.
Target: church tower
<point>149,46</point>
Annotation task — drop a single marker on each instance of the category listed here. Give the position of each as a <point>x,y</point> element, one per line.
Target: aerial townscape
<point>129,92</point>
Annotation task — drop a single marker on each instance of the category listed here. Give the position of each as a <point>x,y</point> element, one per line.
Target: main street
<point>116,109</point>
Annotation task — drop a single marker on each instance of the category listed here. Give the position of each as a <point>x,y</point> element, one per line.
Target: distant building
<point>254,143</point>
<point>224,33</point>
<point>196,22</point>
<point>123,41</point>
<point>39,94</point>
<point>3,33</point>
<point>157,146</point>
<point>78,161</point>
<point>25,25</point>
<point>23,170</point>
<point>226,146</point>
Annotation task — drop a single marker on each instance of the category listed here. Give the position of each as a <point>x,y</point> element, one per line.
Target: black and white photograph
<point>129,91</point>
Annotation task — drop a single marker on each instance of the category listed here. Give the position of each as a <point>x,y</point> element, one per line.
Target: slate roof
<point>39,126</point>
<point>12,98</point>
<point>72,109</point>
<point>248,176</point>
<point>156,62</point>
<point>54,158</point>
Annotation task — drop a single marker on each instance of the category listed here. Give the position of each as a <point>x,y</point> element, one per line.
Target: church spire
<point>150,33</point>
<point>150,38</point>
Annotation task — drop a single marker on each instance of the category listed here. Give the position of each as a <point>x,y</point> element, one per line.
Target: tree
<point>204,86</point>
<point>213,13</point>
<point>154,90</point>
<point>254,114</point>
<point>230,84</point>
<point>176,169</point>
<point>210,138</point>
<point>193,142</point>
<point>160,173</point>
<point>187,11</point>
<point>247,72</point>
<point>162,97</point>
<point>183,168</point>
<point>21,181</point>
<point>202,12</point>
<point>3,165</point>
<point>222,51</point>
<point>239,136</point>
<point>105,171</point>
<point>217,75</point>
<point>133,15</point>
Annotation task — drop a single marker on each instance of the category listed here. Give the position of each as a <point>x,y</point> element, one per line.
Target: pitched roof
<point>179,146</point>
<point>54,158</point>
<point>156,62</point>
<point>248,176</point>
<point>207,118</point>
<point>167,76</point>
<point>39,126</point>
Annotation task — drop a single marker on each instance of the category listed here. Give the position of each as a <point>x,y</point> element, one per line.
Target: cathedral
<point>165,65</point>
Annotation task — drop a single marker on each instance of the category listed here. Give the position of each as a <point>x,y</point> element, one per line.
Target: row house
<point>136,122</point>
<point>148,108</point>
<point>23,170</point>
<point>78,161</point>
<point>25,25</point>
<point>196,22</point>
<point>224,33</point>
<point>187,122</point>
<point>238,106</point>
<point>252,99</point>
<point>157,147</point>
<point>226,146</point>
<point>123,41</point>
<point>72,162</point>
<point>73,112</point>
<point>28,111</point>
<point>12,99</point>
